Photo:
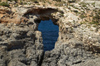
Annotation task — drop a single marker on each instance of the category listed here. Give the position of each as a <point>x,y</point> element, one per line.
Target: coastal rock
<point>16,63</point>
<point>67,55</point>
<point>78,43</point>
<point>18,46</point>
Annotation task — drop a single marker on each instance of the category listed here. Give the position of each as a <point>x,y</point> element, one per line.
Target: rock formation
<point>78,43</point>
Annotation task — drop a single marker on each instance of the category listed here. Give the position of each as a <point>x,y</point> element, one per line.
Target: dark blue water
<point>49,34</point>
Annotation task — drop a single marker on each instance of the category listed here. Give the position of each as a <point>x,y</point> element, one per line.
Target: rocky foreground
<point>78,43</point>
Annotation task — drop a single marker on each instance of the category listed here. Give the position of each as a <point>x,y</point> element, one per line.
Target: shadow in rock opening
<point>49,34</point>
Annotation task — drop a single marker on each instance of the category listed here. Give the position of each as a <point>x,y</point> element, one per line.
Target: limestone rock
<point>78,43</point>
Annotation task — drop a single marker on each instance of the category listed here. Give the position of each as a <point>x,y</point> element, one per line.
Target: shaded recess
<point>49,34</point>
<point>42,14</point>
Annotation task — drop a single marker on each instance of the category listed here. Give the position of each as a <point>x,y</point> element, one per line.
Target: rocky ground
<point>20,44</point>
<point>78,43</point>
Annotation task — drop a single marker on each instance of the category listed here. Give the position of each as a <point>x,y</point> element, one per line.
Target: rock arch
<point>23,38</point>
<point>42,13</point>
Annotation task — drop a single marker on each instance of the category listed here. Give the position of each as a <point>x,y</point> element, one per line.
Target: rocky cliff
<point>78,43</point>
<point>20,44</point>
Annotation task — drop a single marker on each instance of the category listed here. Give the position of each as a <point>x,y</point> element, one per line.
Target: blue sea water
<point>49,34</point>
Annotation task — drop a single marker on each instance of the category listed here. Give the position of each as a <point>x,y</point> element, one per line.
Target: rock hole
<point>49,34</point>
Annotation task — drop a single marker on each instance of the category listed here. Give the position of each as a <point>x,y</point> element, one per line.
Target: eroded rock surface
<point>20,45</point>
<point>78,43</point>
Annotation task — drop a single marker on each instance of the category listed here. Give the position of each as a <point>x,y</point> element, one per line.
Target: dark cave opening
<point>49,34</point>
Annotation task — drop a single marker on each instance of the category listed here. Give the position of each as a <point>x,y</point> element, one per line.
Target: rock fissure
<point>41,61</point>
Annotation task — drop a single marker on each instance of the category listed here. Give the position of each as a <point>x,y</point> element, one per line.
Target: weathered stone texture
<point>78,43</point>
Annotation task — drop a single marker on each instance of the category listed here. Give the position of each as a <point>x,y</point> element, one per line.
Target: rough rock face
<point>65,55</point>
<point>20,44</point>
<point>78,43</point>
